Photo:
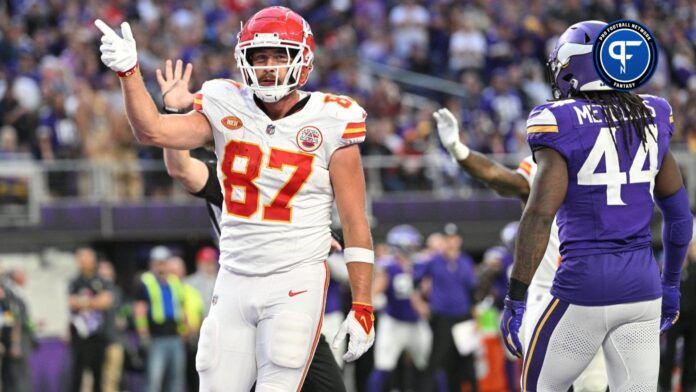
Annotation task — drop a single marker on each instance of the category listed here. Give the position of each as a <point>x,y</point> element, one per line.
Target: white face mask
<point>294,66</point>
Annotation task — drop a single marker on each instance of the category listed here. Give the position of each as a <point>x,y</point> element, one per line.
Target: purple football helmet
<point>405,238</point>
<point>570,65</point>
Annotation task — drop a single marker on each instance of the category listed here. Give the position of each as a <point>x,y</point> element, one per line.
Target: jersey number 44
<point>613,177</point>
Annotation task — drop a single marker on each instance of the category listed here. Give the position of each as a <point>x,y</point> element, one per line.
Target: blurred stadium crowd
<point>59,102</point>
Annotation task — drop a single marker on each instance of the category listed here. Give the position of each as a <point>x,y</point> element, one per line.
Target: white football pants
<point>263,329</point>
<point>565,339</point>
<point>594,377</point>
<point>394,336</point>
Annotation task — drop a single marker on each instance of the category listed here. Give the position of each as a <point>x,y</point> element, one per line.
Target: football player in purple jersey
<point>400,327</point>
<point>603,163</point>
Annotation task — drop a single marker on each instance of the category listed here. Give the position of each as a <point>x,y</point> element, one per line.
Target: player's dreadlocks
<point>624,110</point>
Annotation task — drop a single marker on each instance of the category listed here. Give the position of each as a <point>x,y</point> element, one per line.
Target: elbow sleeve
<point>677,231</point>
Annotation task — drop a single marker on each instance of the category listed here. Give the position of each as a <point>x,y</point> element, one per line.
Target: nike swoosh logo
<point>292,294</point>
<point>365,325</point>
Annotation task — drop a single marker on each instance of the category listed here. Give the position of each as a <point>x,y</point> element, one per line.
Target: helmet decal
<point>570,66</point>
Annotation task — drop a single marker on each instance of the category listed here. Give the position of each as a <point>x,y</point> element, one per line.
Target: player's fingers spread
<point>160,78</point>
<point>187,72</point>
<point>178,69</point>
<point>106,39</point>
<point>168,73</point>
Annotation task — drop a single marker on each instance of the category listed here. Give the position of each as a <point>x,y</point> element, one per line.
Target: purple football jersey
<point>399,293</point>
<point>609,201</point>
<point>453,282</point>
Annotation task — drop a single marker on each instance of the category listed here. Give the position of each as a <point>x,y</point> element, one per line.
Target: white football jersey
<point>275,175</point>
<point>543,278</point>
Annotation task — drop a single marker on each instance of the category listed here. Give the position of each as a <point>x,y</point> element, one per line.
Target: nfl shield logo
<point>215,298</point>
<point>270,129</point>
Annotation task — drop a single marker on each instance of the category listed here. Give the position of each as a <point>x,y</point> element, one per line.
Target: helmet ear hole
<point>568,77</point>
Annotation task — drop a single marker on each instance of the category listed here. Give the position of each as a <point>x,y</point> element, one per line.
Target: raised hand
<point>174,85</point>
<point>117,53</point>
<point>448,132</point>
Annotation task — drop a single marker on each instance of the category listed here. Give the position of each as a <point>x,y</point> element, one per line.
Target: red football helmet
<point>276,27</point>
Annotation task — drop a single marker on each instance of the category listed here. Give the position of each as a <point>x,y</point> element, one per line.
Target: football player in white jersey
<point>517,183</point>
<point>283,156</point>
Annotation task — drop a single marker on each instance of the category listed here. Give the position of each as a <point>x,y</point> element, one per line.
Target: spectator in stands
<point>190,327</point>
<point>90,300</point>
<point>47,51</point>
<point>15,366</point>
<point>92,122</point>
<point>467,47</point>
<point>8,142</point>
<point>447,281</point>
<point>503,104</point>
<point>409,21</point>
<point>58,139</point>
<point>114,330</point>
<point>158,312</point>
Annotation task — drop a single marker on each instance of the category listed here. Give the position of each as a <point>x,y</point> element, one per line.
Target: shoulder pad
<point>342,107</point>
<point>542,119</point>
<point>216,87</point>
<point>661,106</point>
<point>526,167</point>
<point>216,90</point>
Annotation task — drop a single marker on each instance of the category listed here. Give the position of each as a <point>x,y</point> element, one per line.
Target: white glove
<point>361,330</point>
<point>117,53</point>
<point>448,131</point>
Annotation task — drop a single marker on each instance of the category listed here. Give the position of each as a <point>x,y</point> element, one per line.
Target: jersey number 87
<point>278,209</point>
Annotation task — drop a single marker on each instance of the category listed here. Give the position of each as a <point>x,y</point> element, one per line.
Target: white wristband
<point>361,255</point>
<point>459,151</point>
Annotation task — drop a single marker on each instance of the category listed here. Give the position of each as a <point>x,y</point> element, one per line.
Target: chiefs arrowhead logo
<point>231,122</point>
